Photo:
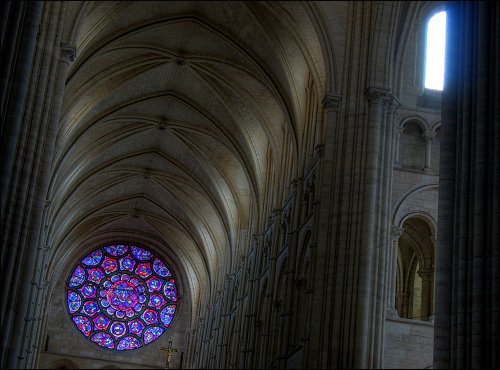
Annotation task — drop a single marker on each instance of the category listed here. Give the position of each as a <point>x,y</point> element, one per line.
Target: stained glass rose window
<point>122,297</point>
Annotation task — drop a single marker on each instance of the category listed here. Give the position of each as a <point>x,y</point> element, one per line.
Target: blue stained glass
<point>152,334</point>
<point>141,254</point>
<point>170,290</point>
<point>74,301</point>
<point>118,329</point>
<point>78,276</point>
<point>117,299</point>
<point>127,263</point>
<point>154,284</point>
<point>160,268</point>
<point>88,291</point>
<point>101,322</point>
<point>104,339</point>
<point>136,327</point>
<point>83,324</point>
<point>109,265</point>
<point>156,301</point>
<point>143,270</point>
<point>116,250</point>
<point>95,275</point>
<point>150,317</point>
<point>128,343</point>
<point>167,314</point>
<point>93,259</point>
<point>90,308</point>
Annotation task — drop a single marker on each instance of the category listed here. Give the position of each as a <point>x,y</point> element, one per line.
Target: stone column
<point>402,303</point>
<point>376,98</point>
<point>427,276</point>
<point>322,298</point>
<point>28,192</point>
<point>24,28</point>
<point>396,233</point>
<point>429,138</point>
<point>67,56</point>
<point>383,265</point>
<point>433,240</point>
<point>398,133</point>
<point>290,308</point>
<point>467,322</point>
<point>19,28</point>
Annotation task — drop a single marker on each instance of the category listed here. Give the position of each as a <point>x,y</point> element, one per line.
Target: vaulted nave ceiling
<point>174,115</point>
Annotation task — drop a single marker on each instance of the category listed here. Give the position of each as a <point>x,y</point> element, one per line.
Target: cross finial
<point>169,350</point>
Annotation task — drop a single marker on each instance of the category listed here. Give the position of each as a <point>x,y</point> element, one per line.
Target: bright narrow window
<point>434,63</point>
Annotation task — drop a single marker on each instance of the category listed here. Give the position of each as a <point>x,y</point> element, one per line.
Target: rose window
<point>122,297</point>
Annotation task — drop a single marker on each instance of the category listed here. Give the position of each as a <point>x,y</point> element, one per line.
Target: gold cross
<point>170,350</point>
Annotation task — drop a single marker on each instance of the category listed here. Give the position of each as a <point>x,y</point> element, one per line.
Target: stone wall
<point>63,342</point>
<point>408,344</point>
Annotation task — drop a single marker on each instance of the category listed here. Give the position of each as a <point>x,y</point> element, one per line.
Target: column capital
<point>332,102</point>
<point>68,53</point>
<point>396,232</point>
<point>429,137</point>
<point>377,95</point>
<point>391,103</point>
<point>426,274</point>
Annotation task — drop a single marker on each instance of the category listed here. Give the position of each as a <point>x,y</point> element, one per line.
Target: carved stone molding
<point>396,232</point>
<point>46,204</point>
<point>68,53</point>
<point>391,104</point>
<point>429,137</point>
<point>332,102</point>
<point>377,95</point>
<point>426,274</point>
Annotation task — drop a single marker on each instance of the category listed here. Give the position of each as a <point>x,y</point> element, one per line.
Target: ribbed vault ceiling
<point>174,114</point>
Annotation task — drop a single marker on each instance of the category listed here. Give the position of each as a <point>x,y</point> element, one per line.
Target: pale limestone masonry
<point>408,344</point>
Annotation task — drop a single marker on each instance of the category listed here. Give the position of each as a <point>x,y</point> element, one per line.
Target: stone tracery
<point>122,296</point>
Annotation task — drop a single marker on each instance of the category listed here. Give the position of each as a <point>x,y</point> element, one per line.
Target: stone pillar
<point>290,308</point>
<point>67,56</point>
<point>467,321</point>
<point>397,141</point>
<point>396,233</point>
<point>19,28</point>
<point>28,190</point>
<point>322,297</point>
<point>433,241</point>
<point>22,27</point>
<point>383,251</point>
<point>429,138</point>
<point>376,99</point>
<point>427,276</point>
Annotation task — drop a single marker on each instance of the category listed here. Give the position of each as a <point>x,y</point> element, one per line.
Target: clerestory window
<point>435,52</point>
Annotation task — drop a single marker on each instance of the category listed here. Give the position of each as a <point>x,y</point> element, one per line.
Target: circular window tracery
<point>122,296</point>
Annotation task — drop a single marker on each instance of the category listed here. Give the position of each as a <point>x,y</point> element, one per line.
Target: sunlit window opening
<point>434,63</point>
